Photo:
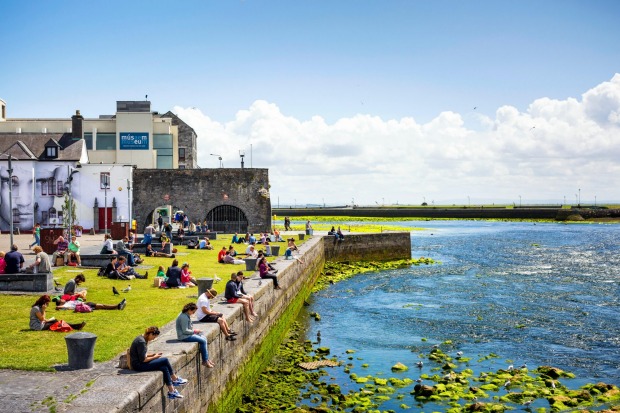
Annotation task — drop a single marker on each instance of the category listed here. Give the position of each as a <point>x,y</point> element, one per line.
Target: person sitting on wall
<point>124,270</point>
<point>221,254</point>
<point>186,332</point>
<point>2,263</point>
<point>205,244</point>
<point>270,265</point>
<point>264,273</point>
<point>14,260</point>
<point>180,234</point>
<point>339,235</point>
<point>123,251</point>
<point>41,263</point>
<point>192,229</point>
<point>74,251</point>
<point>235,293</point>
<point>168,229</point>
<point>230,260</point>
<point>62,250</point>
<point>108,246</point>
<point>206,315</point>
<point>332,231</point>
<point>150,252</point>
<point>133,239</point>
<point>141,360</point>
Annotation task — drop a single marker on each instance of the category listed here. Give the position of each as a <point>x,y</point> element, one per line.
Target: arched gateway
<point>236,200</point>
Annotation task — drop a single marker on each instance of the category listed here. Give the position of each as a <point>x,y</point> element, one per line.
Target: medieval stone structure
<point>229,199</point>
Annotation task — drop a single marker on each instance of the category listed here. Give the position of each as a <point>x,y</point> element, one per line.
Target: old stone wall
<point>197,191</point>
<point>238,363</point>
<point>368,247</point>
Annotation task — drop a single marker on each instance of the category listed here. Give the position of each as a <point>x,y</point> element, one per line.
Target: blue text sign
<point>134,140</point>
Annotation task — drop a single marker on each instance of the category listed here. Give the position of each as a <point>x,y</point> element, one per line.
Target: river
<point>532,293</point>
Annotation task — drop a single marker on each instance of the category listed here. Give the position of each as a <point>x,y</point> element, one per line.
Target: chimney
<point>77,123</point>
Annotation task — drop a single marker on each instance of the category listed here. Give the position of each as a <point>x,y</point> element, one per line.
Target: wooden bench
<point>42,282</point>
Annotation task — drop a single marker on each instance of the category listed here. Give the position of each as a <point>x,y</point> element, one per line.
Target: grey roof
<point>31,146</point>
<point>177,121</point>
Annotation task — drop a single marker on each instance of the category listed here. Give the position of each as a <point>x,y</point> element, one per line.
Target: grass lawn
<point>23,349</point>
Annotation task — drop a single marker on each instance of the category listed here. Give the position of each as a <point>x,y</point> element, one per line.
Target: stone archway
<point>198,190</point>
<point>227,219</point>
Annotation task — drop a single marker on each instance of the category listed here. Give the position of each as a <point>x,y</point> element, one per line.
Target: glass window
<point>162,141</point>
<point>44,187</point>
<point>88,137</point>
<point>59,188</point>
<point>181,166</point>
<point>51,186</point>
<point>106,141</point>
<point>44,218</point>
<point>164,162</point>
<point>15,216</point>
<point>104,180</point>
<point>181,154</point>
<point>51,152</point>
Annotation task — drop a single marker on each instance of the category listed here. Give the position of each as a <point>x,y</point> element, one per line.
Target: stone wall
<point>197,191</point>
<point>238,363</point>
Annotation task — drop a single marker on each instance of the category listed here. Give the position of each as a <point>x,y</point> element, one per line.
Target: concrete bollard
<point>204,284</point>
<point>81,348</point>
<point>275,250</point>
<point>250,264</point>
<point>301,236</point>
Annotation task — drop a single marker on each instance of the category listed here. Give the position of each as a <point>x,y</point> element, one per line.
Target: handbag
<point>61,326</point>
<point>124,361</point>
<point>83,308</point>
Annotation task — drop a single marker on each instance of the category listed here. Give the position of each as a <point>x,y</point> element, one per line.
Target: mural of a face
<point>23,196</point>
<point>48,188</point>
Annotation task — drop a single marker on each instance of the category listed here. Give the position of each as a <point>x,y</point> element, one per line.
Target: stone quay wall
<point>238,363</point>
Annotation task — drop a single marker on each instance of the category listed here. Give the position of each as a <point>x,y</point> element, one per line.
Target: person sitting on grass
<point>150,252</point>
<point>141,360</point>
<point>71,305</point>
<point>187,333</point>
<point>235,293</point>
<point>124,270</point>
<point>220,255</point>
<point>108,246</point>
<point>70,293</point>
<point>264,273</point>
<point>205,244</point>
<point>39,322</point>
<point>204,314</point>
<point>231,251</point>
<point>173,275</point>
<point>228,259</point>
<point>186,276</point>
<point>251,252</point>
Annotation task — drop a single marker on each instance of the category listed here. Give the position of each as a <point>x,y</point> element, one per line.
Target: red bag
<point>61,326</point>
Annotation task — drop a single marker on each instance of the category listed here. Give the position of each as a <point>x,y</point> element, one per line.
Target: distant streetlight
<point>10,171</point>
<point>241,154</point>
<point>576,200</point>
<point>106,186</point>
<point>579,200</point>
<point>218,157</point>
<point>468,201</point>
<point>594,200</point>
<point>519,201</point>
<point>564,199</point>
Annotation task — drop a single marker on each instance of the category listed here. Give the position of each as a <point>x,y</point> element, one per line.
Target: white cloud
<point>544,153</point>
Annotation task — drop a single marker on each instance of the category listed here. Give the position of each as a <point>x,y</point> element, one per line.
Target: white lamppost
<point>106,186</point>
<point>218,157</point>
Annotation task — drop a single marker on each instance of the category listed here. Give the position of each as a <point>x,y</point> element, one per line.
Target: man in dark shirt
<point>14,260</point>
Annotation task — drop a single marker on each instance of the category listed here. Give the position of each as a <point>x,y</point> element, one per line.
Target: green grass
<point>348,224</point>
<point>23,349</point>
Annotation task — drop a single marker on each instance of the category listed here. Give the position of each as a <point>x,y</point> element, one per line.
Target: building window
<point>181,166</point>
<point>51,187</point>
<point>162,143</point>
<point>104,180</point>
<point>44,188</point>
<point>15,216</point>
<point>51,152</point>
<point>181,154</point>
<point>106,141</point>
<point>88,137</point>
<point>44,218</point>
<point>59,188</point>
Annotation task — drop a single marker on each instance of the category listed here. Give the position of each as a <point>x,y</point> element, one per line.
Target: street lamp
<point>218,157</point>
<point>519,201</point>
<point>579,200</point>
<point>10,171</point>
<point>68,184</point>
<point>241,154</point>
<point>106,186</point>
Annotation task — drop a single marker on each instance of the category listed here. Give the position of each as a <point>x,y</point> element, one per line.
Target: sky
<point>364,102</point>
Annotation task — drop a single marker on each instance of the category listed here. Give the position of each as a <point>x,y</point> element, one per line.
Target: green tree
<point>65,211</point>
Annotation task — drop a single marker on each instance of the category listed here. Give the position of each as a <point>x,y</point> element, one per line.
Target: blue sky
<point>337,61</point>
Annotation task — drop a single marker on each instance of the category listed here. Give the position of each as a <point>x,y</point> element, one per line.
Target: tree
<point>65,211</point>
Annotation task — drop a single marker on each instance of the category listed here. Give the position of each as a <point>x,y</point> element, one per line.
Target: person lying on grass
<point>38,320</point>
